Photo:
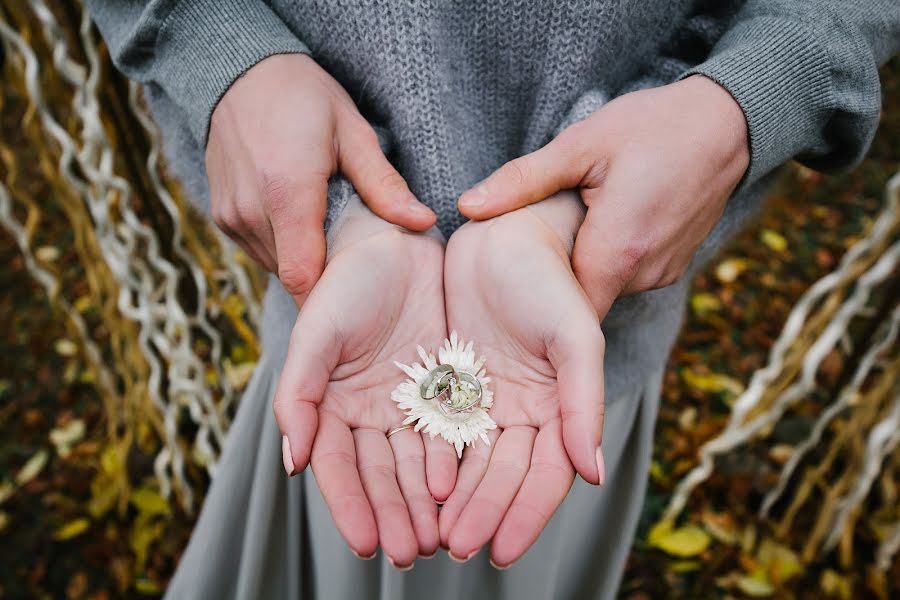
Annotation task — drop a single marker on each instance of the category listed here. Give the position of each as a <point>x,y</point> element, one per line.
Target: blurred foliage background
<point>127,331</point>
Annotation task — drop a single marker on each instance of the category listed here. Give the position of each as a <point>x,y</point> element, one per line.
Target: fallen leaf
<point>703,303</point>
<point>780,562</point>
<point>730,269</point>
<point>149,502</point>
<point>72,529</point>
<point>65,347</point>
<point>835,584</point>
<point>755,585</point>
<point>32,468</point>
<point>715,383</point>
<point>683,542</point>
<point>722,526</point>
<point>6,491</point>
<point>63,438</point>
<point>773,240</point>
<point>83,304</point>
<point>47,253</point>
<point>238,375</point>
<point>688,418</point>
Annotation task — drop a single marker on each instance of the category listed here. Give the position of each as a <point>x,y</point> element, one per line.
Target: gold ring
<point>399,429</point>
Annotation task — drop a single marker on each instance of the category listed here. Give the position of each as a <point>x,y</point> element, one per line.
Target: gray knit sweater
<point>464,86</point>
<point>461,87</point>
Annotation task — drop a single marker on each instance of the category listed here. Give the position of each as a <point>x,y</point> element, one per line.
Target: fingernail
<point>286,455</point>
<point>426,557</point>
<point>601,466</point>
<point>361,557</point>
<point>418,208</point>
<point>498,567</point>
<point>462,560</point>
<point>406,568</point>
<point>475,197</point>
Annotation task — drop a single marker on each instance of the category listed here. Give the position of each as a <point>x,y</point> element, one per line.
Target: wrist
<point>715,105</point>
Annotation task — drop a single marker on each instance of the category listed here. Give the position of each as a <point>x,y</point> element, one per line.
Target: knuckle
<point>518,169</point>
<point>278,190</point>
<point>298,276</point>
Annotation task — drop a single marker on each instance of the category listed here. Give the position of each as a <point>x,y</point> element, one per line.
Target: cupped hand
<point>509,286</point>
<point>380,295</point>
<point>275,138</point>
<point>655,167</point>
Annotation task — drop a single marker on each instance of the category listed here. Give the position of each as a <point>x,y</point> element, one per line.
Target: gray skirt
<point>264,535</point>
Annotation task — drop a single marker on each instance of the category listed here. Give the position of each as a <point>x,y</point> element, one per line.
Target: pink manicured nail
<point>498,567</point>
<point>406,568</point>
<point>462,560</point>
<point>286,455</point>
<point>361,557</point>
<point>601,466</point>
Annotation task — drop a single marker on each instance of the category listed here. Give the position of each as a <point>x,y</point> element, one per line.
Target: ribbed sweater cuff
<point>780,76</point>
<point>213,42</point>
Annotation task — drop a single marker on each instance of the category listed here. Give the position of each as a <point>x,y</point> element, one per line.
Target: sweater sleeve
<point>805,73</point>
<point>193,50</point>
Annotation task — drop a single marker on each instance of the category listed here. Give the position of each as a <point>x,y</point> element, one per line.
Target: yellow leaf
<point>712,382</point>
<point>238,375</point>
<point>721,526</point>
<point>756,585</point>
<point>704,303</point>
<point>834,584</point>
<point>656,472</point>
<point>147,587</point>
<point>65,347</point>
<point>688,418</point>
<point>72,529</point>
<point>684,566</point>
<point>149,502</point>
<point>143,533</point>
<point>683,542</point>
<point>773,240</point>
<point>47,253</point>
<point>659,531</point>
<point>63,438</point>
<point>730,269</point>
<point>6,491</point>
<point>83,304</point>
<point>32,468</point>
<point>779,561</point>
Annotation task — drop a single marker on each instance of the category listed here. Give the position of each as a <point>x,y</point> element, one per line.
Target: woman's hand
<point>655,169</point>
<point>380,295</point>
<point>509,286</point>
<point>276,136</point>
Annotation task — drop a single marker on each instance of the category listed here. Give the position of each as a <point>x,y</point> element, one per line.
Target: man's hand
<point>276,136</point>
<point>655,169</point>
<point>509,286</point>
<point>381,294</point>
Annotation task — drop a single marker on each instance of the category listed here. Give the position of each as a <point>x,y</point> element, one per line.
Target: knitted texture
<point>463,87</point>
<point>459,88</point>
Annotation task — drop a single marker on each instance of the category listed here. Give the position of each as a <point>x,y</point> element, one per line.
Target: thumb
<point>577,355</point>
<point>601,266</point>
<point>311,358</point>
<point>560,165</point>
<point>378,183</point>
<point>297,214</point>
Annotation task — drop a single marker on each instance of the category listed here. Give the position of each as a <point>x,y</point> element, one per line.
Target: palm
<point>543,346</point>
<point>380,295</point>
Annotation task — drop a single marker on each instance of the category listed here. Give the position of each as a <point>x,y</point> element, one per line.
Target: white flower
<point>462,428</point>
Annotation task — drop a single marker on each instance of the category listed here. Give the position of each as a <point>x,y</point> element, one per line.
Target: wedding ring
<point>399,429</point>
